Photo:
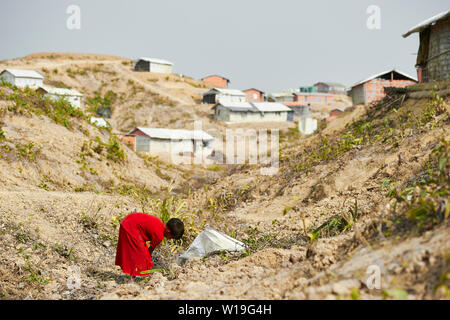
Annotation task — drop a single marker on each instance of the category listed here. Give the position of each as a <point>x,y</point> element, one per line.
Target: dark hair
<point>176,227</point>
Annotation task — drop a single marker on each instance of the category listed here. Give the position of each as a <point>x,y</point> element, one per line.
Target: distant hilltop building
<point>335,113</point>
<point>153,65</point>
<point>310,98</point>
<point>433,57</point>
<point>372,89</point>
<point>22,78</point>
<point>330,87</point>
<point>254,95</point>
<point>71,95</point>
<point>287,96</point>
<point>252,112</point>
<point>216,81</point>
<point>307,89</point>
<point>216,95</point>
<point>171,141</point>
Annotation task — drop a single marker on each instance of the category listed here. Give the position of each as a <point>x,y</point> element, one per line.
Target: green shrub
<point>114,150</point>
<point>28,151</point>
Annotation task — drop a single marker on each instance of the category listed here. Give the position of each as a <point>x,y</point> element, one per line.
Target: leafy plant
<point>114,150</point>
<point>63,251</point>
<point>151,271</point>
<point>28,151</point>
<point>423,203</point>
<point>169,208</point>
<point>396,293</point>
<point>336,224</point>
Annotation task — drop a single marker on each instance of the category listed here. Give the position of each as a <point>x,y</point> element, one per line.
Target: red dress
<point>132,254</point>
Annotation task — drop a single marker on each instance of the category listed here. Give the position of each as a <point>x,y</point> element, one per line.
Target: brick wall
<point>254,95</point>
<point>314,98</point>
<point>130,141</point>
<point>374,89</point>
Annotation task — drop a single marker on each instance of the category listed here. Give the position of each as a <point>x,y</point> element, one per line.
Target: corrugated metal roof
<point>19,73</point>
<point>255,106</point>
<point>231,92</point>
<point>61,91</point>
<point>425,24</point>
<point>382,73</point>
<point>270,106</point>
<point>237,106</point>
<point>175,134</point>
<point>156,60</point>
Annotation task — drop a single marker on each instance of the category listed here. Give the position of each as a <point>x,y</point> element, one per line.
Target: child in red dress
<point>133,254</point>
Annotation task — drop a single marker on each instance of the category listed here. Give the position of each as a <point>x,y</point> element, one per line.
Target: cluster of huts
<point>432,63</point>
<point>253,105</point>
<point>33,79</point>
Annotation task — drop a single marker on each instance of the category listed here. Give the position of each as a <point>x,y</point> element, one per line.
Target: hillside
<point>370,188</point>
<point>136,98</point>
<point>370,191</point>
<point>61,175</point>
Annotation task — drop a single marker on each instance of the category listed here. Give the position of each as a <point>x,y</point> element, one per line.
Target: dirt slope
<point>272,213</point>
<point>369,189</point>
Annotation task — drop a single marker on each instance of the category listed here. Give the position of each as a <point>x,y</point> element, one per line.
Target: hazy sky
<point>271,45</point>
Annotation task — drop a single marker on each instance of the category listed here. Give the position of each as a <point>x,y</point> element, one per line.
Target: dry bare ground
<point>344,199</point>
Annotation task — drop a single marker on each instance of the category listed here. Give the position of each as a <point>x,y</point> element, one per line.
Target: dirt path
<point>278,274</point>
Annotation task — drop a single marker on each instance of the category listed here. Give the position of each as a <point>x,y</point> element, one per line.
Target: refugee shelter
<point>216,81</point>
<point>330,87</point>
<point>307,89</point>
<point>153,65</point>
<point>216,95</point>
<point>252,112</point>
<point>372,89</point>
<point>300,110</point>
<point>254,95</point>
<point>433,57</point>
<point>334,114</point>
<point>173,141</point>
<point>287,96</point>
<point>22,78</point>
<point>71,95</point>
<point>306,98</point>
